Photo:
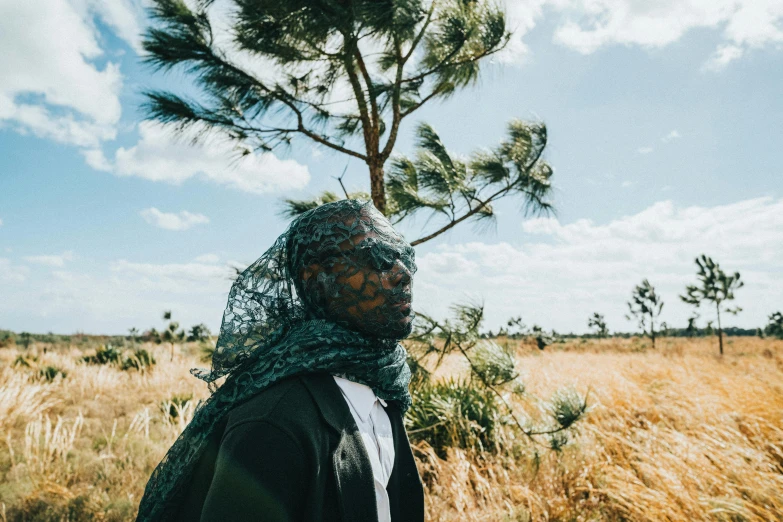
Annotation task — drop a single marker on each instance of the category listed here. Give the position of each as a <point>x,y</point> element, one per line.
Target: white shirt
<point>376,432</point>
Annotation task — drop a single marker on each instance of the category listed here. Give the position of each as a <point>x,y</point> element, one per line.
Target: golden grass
<point>673,434</point>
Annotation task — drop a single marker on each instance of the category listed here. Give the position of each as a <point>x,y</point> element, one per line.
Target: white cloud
<point>745,24</point>
<point>723,55</point>
<point>50,85</point>
<point>626,184</point>
<point>644,150</point>
<point>114,297</point>
<point>208,258</point>
<point>10,273</point>
<point>57,260</point>
<point>158,156</point>
<point>179,273</point>
<point>567,271</point>
<point>521,18</point>
<point>673,135</point>
<point>172,221</point>
<point>1,222</point>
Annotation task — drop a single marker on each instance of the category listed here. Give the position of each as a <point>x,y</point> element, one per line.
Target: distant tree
<point>26,338</point>
<point>716,287</point>
<point>598,323</point>
<point>170,334</point>
<point>775,326</point>
<point>134,335</point>
<point>516,327</point>
<point>198,332</point>
<point>645,306</point>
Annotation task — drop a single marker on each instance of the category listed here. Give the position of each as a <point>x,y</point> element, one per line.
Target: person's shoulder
<point>288,404</point>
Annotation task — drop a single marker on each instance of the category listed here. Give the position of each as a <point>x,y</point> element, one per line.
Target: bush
<point>105,354</point>
<point>25,362</point>
<point>50,373</point>
<point>174,406</point>
<point>454,413</point>
<point>140,359</point>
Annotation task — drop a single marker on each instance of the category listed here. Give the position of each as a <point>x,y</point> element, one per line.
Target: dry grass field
<point>677,433</point>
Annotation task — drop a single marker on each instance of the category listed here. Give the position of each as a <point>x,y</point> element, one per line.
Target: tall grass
<point>677,433</point>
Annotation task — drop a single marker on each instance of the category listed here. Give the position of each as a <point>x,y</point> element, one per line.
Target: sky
<point>665,136</point>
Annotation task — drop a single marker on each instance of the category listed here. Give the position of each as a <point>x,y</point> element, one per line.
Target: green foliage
<point>25,361</point>
<point>454,414</point>
<point>645,306</point>
<point>105,354</point>
<point>493,364</point>
<point>49,373</point>
<point>775,326</point>
<point>394,56</point>
<point>7,338</point>
<point>716,287</point>
<point>598,323</point>
<point>493,375</point>
<point>175,405</point>
<point>199,332</point>
<point>136,359</point>
<point>441,184</point>
<point>139,359</point>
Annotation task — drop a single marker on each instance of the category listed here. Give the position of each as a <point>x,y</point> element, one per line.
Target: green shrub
<point>140,359</point>
<point>454,413</point>
<point>25,362</point>
<point>50,373</point>
<point>175,405</point>
<point>105,354</point>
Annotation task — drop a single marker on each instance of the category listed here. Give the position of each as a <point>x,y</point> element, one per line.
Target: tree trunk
<point>377,187</point>
<point>652,330</point>
<point>720,332</point>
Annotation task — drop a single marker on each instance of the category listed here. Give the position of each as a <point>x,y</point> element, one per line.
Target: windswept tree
<point>645,306</point>
<point>340,74</point>
<point>716,287</point>
<point>598,323</point>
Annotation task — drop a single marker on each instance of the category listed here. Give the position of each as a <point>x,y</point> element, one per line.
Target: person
<point>308,423</point>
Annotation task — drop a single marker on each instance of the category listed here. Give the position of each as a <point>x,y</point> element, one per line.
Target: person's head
<point>351,267</point>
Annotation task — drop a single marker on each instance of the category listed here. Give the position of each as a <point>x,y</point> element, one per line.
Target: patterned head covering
<point>333,294</point>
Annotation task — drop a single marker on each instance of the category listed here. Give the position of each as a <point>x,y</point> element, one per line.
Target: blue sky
<point>665,136</point>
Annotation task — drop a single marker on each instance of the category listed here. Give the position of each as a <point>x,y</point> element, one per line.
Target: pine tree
<point>645,306</point>
<point>598,322</point>
<point>716,287</point>
<point>344,76</point>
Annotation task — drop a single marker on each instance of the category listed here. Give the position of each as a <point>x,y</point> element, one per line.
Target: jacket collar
<point>330,402</point>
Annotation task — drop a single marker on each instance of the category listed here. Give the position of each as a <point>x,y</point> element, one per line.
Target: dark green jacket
<point>293,453</point>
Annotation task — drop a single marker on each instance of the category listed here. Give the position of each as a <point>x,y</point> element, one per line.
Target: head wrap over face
<point>331,295</point>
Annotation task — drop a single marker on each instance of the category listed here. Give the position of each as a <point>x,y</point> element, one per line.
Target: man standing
<point>308,425</point>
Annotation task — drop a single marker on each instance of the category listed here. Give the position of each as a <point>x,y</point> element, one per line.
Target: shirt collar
<point>359,396</point>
